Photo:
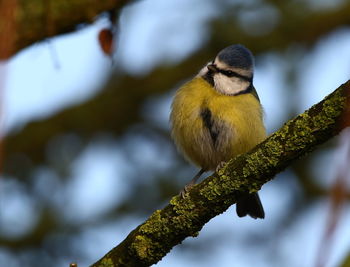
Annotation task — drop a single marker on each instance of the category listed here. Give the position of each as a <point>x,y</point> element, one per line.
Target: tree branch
<point>36,20</point>
<point>165,228</point>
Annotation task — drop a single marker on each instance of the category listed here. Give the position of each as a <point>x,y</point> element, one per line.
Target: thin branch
<point>182,218</point>
<point>37,20</point>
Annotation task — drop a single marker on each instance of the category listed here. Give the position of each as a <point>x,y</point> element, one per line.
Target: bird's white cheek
<point>229,86</point>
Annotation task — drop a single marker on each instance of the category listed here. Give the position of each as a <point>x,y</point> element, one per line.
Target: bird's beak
<point>212,68</point>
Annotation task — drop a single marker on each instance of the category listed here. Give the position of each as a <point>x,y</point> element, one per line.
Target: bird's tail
<point>250,204</point>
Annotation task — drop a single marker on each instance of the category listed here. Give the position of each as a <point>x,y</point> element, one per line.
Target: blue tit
<point>217,115</point>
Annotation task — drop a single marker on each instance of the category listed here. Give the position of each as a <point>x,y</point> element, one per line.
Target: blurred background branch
<point>113,103</point>
<point>37,20</point>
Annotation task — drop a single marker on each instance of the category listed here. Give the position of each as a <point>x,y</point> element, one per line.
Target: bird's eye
<point>229,73</point>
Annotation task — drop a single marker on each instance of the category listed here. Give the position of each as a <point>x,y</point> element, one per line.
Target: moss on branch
<point>165,228</point>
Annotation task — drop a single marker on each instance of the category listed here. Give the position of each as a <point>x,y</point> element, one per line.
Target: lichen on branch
<point>181,218</point>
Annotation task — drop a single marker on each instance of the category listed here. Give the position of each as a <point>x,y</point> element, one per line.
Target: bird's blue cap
<point>237,56</point>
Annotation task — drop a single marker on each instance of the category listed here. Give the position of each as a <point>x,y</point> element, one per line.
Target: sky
<point>65,70</point>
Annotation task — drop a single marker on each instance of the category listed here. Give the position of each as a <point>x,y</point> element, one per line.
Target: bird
<point>217,115</point>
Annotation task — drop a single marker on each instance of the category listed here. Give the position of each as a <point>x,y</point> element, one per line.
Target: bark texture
<point>181,218</point>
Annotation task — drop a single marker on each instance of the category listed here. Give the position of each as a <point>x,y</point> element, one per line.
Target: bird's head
<point>231,72</point>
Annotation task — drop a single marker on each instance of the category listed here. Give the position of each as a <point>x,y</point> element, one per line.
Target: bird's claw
<point>191,183</point>
<point>185,190</point>
<point>220,165</point>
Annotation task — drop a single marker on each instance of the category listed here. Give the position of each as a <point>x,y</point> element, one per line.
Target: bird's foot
<point>186,189</point>
<point>220,165</point>
<point>191,183</point>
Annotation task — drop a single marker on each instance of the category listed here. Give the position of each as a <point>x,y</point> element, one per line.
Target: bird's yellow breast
<point>237,119</point>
